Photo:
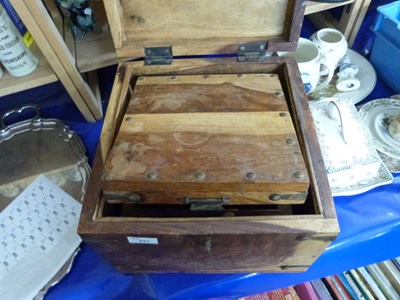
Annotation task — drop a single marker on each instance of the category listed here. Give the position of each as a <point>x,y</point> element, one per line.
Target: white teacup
<point>308,58</point>
<point>333,46</point>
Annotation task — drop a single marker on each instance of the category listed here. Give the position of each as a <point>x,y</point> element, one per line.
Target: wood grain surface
<point>277,251</point>
<point>202,27</point>
<point>208,93</point>
<point>222,151</point>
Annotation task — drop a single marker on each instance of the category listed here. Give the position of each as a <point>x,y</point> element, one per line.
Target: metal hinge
<point>206,204</point>
<point>158,55</point>
<point>253,52</point>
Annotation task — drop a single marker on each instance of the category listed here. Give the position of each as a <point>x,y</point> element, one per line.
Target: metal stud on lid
<point>15,56</point>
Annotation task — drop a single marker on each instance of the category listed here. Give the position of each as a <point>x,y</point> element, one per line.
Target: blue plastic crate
<point>385,53</point>
<point>385,57</point>
<point>387,23</point>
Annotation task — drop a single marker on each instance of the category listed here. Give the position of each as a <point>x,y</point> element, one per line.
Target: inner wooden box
<point>207,140</point>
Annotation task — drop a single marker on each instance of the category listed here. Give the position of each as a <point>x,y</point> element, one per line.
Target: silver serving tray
<point>40,146</point>
<point>37,146</point>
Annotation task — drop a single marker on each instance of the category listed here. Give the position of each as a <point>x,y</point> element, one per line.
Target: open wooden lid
<point>193,27</point>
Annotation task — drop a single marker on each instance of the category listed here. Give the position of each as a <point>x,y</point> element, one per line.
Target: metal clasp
<point>206,204</point>
<point>292,197</point>
<point>118,197</point>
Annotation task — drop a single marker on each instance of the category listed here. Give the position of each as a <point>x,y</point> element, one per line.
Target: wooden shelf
<point>43,74</point>
<point>44,31</point>
<point>96,50</point>
<point>314,6</point>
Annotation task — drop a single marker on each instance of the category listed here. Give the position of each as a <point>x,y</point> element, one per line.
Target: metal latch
<point>122,197</point>
<point>158,55</point>
<point>294,197</point>
<point>253,52</point>
<point>206,204</point>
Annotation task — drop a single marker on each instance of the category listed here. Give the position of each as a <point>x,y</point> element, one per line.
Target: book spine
<point>371,283</point>
<point>392,273</point>
<point>287,293</point>
<point>382,282</point>
<point>361,285</point>
<point>350,286</point>
<point>340,287</point>
<point>332,288</point>
<point>396,262</point>
<point>321,290</point>
<point>305,291</point>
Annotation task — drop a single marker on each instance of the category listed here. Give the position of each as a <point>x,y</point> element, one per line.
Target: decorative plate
<point>354,167</point>
<point>392,163</point>
<point>382,122</point>
<point>366,74</point>
<point>374,114</point>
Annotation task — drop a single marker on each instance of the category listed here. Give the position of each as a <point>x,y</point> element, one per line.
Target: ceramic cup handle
<point>336,112</point>
<point>328,78</point>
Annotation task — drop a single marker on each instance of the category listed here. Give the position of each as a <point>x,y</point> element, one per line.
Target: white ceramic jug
<point>309,60</point>
<point>333,46</point>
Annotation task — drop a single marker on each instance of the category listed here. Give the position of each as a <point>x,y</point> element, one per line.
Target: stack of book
<point>376,281</point>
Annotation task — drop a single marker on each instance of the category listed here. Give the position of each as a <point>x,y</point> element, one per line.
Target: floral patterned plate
<point>392,163</point>
<point>382,122</point>
<point>374,113</point>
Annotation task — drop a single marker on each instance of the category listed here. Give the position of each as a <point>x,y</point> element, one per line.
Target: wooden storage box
<point>208,164</point>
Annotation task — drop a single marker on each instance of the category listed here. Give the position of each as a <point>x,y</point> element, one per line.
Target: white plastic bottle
<point>15,56</point>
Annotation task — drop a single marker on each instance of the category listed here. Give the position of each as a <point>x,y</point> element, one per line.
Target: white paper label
<point>38,233</point>
<point>14,54</point>
<point>142,240</point>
